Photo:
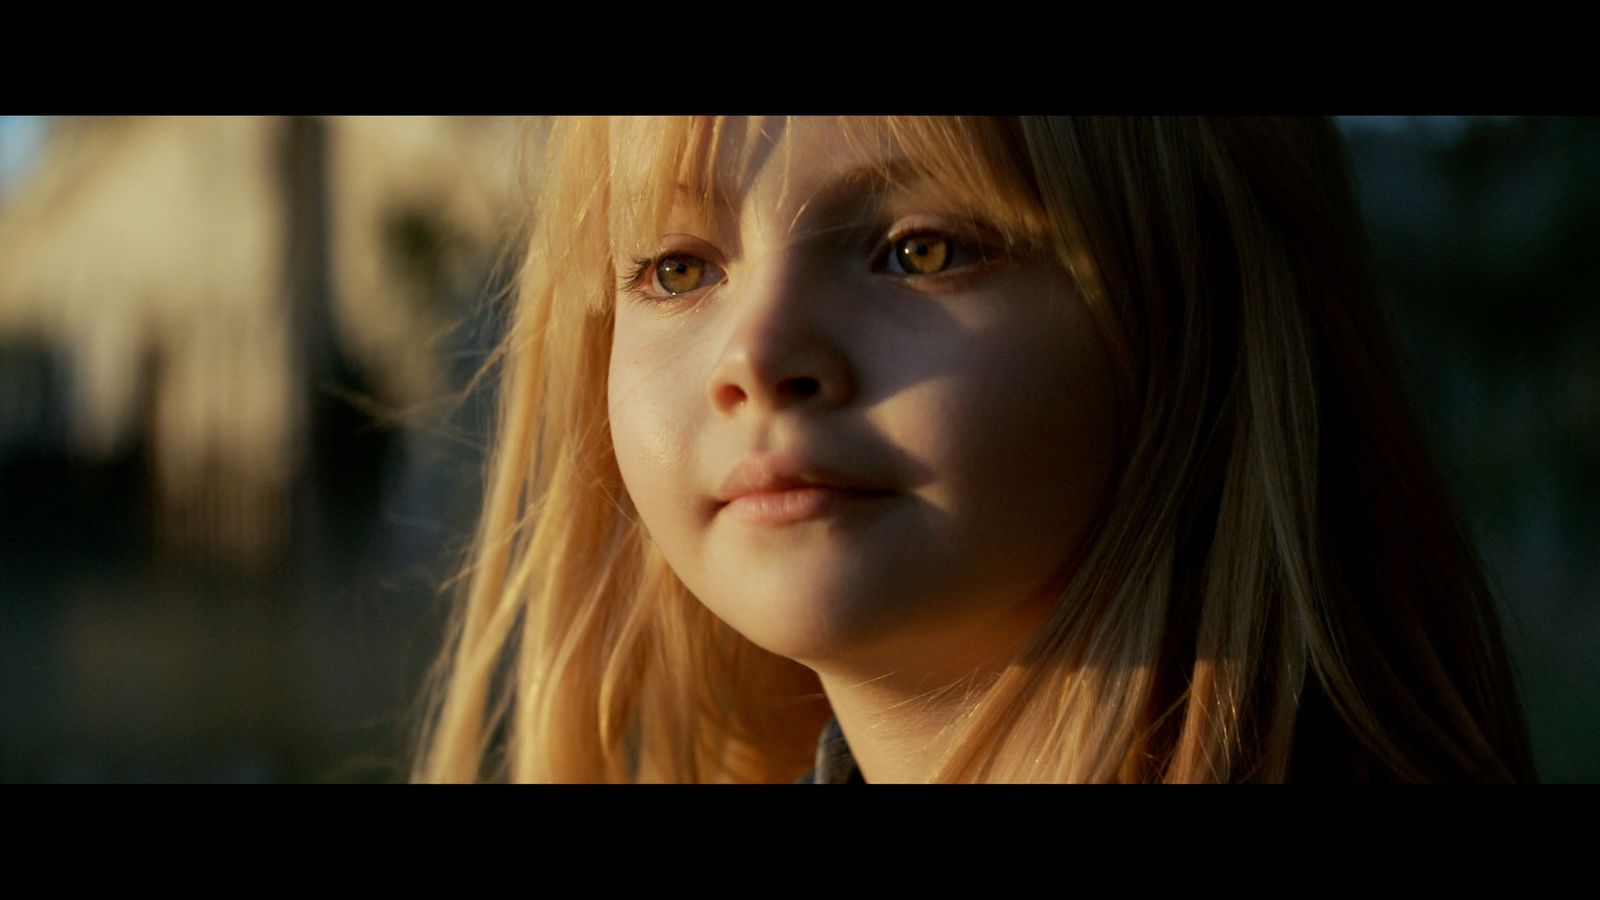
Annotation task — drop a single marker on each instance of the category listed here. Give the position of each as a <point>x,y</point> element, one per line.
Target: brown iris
<point>679,274</point>
<point>923,254</point>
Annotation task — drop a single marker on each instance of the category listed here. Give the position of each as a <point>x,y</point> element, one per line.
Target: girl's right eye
<point>661,277</point>
<point>679,274</point>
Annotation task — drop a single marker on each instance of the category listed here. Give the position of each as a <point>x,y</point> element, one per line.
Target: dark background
<point>131,651</point>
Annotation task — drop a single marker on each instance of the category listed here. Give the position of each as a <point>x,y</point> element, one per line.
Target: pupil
<point>924,255</point>
<point>677,276</point>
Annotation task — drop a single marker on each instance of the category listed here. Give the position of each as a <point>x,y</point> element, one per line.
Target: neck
<point>898,725</point>
<point>900,706</point>
<point>900,711</point>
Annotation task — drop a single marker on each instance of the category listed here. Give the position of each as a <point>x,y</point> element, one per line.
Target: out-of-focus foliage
<point>1486,237</point>
<point>233,472</point>
<point>206,280</point>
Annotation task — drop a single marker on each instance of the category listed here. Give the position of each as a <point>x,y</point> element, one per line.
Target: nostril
<point>799,389</point>
<point>730,396</point>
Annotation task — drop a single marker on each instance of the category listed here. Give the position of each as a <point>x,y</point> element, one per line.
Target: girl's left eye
<point>924,253</point>
<point>921,254</point>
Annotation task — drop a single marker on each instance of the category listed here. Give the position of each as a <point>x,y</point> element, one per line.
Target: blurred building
<point>196,287</point>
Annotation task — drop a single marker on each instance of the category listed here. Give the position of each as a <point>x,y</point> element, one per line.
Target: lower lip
<point>795,504</point>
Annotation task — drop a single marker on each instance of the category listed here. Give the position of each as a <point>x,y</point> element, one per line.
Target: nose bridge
<point>782,350</point>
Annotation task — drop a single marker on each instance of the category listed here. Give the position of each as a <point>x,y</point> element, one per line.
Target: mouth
<point>786,487</point>
<point>798,503</point>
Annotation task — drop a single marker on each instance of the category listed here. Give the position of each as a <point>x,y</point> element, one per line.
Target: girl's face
<point>949,407</point>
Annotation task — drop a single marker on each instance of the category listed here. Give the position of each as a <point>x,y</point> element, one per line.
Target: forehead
<point>730,163</point>
<point>725,167</point>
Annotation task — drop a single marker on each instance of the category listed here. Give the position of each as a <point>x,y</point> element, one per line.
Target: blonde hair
<point>1277,588</point>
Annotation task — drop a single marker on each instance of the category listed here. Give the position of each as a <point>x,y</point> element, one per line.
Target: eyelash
<point>636,278</point>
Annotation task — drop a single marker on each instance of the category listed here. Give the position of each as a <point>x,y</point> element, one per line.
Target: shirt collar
<point>835,763</point>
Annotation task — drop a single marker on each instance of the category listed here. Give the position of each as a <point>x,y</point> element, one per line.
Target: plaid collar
<point>835,763</point>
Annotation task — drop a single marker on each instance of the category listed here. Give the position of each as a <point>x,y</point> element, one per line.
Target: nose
<point>784,352</point>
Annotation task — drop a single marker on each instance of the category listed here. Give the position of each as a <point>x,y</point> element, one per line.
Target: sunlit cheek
<point>652,446</point>
<point>661,448</point>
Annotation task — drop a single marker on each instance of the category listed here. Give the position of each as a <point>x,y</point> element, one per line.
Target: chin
<point>809,629</point>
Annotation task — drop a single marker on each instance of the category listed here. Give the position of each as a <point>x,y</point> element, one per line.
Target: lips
<point>776,474</point>
<point>786,488</point>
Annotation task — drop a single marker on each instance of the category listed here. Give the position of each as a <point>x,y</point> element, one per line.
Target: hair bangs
<point>983,165</point>
<point>980,165</point>
<point>660,163</point>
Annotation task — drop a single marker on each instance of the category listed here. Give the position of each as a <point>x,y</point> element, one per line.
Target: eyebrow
<point>857,188</point>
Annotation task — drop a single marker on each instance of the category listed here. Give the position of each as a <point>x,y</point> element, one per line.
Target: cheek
<point>644,435</point>
<point>651,426</point>
<point>1030,442</point>
<point>640,440</point>
<point>1016,393</point>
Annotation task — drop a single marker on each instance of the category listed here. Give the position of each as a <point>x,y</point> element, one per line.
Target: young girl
<point>983,450</point>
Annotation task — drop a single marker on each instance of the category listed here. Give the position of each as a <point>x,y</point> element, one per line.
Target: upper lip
<point>785,471</point>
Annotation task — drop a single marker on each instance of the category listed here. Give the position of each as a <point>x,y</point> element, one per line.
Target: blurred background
<point>239,457</point>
